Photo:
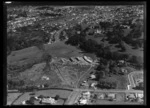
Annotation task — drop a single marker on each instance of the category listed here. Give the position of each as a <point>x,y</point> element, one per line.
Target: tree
<point>57,97</point>
<point>47,58</point>
<point>46,85</point>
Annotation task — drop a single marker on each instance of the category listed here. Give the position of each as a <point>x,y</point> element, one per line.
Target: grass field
<point>34,74</point>
<point>11,97</point>
<point>52,93</point>
<point>72,73</point>
<point>106,102</point>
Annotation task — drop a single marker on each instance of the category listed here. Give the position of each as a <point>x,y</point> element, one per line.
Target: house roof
<point>111,95</point>
<point>83,101</point>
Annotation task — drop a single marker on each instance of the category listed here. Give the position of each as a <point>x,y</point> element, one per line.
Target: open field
<point>34,74</point>
<point>52,93</point>
<point>11,97</point>
<point>58,49</point>
<point>72,73</point>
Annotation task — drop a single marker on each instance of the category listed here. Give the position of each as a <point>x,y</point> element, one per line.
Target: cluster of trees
<point>27,88</point>
<point>15,68</point>
<point>106,85</point>
<point>46,14</point>
<point>18,13</point>
<point>25,38</point>
<point>137,62</point>
<point>15,83</point>
<point>139,87</point>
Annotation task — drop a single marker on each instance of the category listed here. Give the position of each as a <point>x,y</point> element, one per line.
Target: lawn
<point>52,93</point>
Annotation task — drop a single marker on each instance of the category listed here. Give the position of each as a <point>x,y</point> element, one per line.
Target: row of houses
<point>132,97</point>
<point>79,60</point>
<point>40,100</point>
<point>84,98</point>
<point>87,97</point>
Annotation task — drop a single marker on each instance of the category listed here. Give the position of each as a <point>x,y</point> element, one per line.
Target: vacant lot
<point>52,93</point>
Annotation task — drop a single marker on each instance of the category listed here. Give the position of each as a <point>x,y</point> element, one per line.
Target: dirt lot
<point>52,93</point>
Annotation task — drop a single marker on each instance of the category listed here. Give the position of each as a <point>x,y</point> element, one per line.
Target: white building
<point>45,78</point>
<point>111,95</point>
<point>23,102</point>
<point>83,101</point>
<point>93,76</point>
<point>49,100</point>
<point>140,95</point>
<point>88,59</point>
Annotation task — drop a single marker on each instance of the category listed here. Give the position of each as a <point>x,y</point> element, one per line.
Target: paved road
<point>130,77</point>
<point>113,90</point>
<point>72,97</point>
<point>76,93</point>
